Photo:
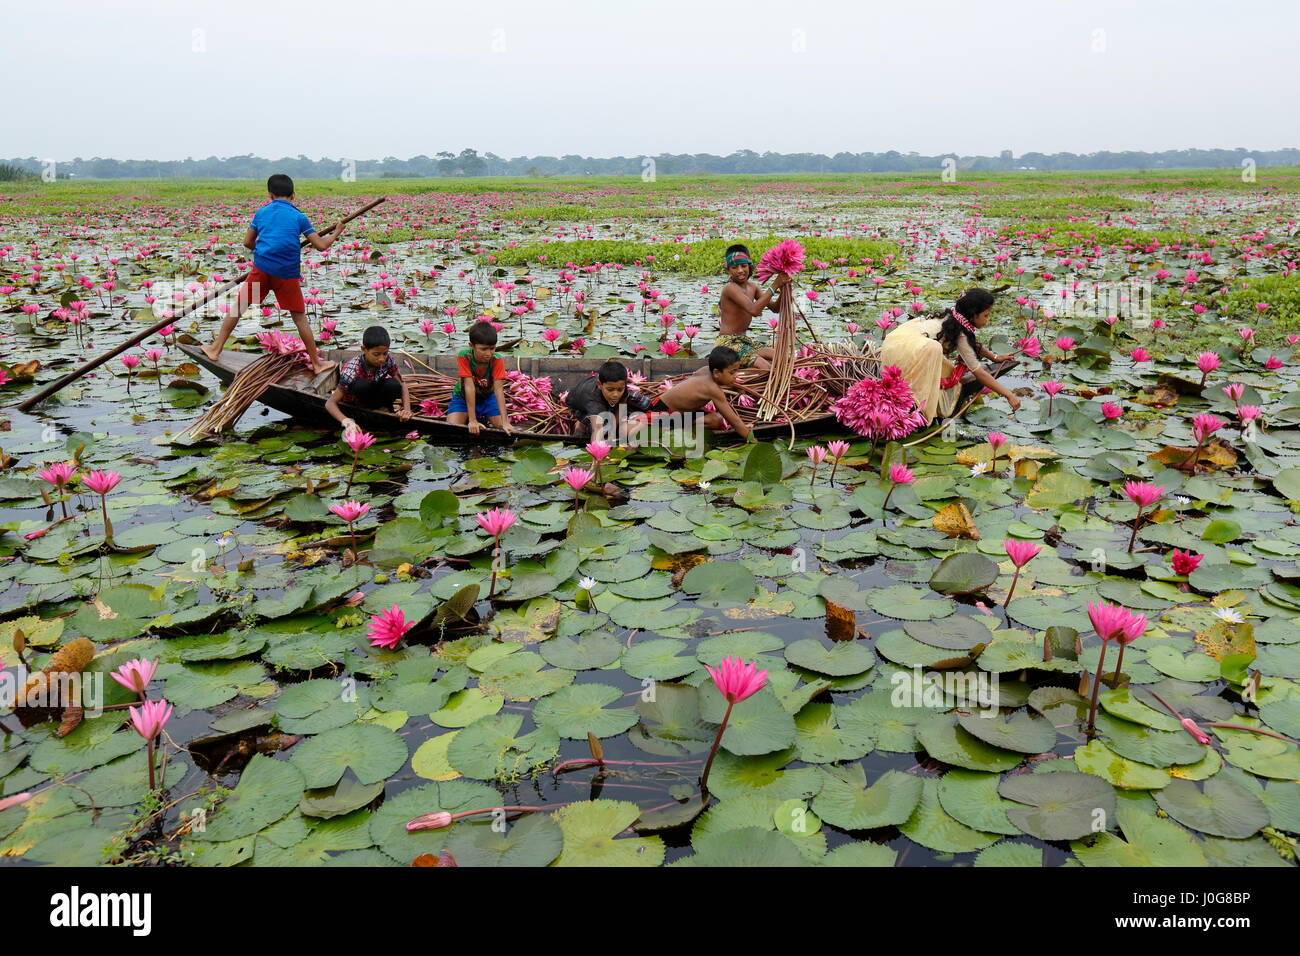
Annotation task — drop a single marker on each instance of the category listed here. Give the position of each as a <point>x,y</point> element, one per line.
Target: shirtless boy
<point>741,302</point>
<point>686,399</point>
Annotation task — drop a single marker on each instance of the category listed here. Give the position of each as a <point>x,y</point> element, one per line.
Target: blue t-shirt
<point>278,225</point>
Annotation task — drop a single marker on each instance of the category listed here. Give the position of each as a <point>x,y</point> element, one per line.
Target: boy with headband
<point>741,301</point>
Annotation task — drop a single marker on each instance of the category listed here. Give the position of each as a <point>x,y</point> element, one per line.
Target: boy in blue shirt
<point>277,267</point>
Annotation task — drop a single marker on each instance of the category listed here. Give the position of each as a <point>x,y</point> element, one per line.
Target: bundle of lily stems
<point>245,388</point>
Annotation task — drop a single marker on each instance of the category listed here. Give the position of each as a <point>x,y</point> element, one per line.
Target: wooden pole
<point>139,337</point>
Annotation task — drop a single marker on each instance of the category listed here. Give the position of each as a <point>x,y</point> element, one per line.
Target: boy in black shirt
<point>600,403</point>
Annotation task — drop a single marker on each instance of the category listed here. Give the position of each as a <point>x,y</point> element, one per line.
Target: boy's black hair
<point>722,358</point>
<point>482,333</point>
<point>612,371</point>
<point>374,337</point>
<point>279,185</point>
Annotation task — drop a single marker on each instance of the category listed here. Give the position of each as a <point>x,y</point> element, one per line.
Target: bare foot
<point>207,350</point>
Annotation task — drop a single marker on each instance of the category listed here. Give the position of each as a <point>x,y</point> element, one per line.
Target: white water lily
<point>1229,616</point>
<point>705,485</point>
<point>1182,502</point>
<point>587,584</point>
<point>979,468</point>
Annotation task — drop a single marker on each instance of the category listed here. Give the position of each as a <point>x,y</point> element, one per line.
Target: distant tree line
<point>468,162</point>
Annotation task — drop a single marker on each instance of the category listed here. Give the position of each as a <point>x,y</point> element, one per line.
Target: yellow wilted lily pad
<point>956,521</point>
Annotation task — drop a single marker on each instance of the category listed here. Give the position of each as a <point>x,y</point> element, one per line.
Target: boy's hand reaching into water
<point>404,413</point>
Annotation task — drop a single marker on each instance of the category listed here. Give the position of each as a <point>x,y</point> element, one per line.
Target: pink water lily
<point>101,483</point>
<point>838,450</point>
<point>816,455</point>
<point>358,441</point>
<point>1112,623</point>
<point>351,512</point>
<point>996,441</point>
<point>898,475</point>
<point>577,479</point>
<point>1185,562</point>
<point>388,627</point>
<point>599,451</point>
<point>1020,553</point>
<point>58,474</point>
<point>148,719</point>
<point>135,675</point>
<point>736,681</point>
<point>1203,427</point>
<point>1110,411</point>
<point>496,523</point>
<point>1144,495</point>
<point>1207,362</point>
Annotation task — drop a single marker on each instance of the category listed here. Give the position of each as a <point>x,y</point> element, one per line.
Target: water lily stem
<point>1096,687</point>
<point>713,752</point>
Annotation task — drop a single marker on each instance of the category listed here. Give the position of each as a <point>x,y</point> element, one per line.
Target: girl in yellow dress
<point>919,346</point>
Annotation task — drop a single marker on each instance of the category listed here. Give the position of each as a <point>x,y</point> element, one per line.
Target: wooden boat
<point>303,395</point>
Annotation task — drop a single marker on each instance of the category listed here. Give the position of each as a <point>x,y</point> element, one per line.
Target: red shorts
<point>288,292</point>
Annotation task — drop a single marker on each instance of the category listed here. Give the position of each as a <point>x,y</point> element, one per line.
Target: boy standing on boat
<point>741,302</point>
<point>370,380</point>
<point>479,391</point>
<point>277,266</point>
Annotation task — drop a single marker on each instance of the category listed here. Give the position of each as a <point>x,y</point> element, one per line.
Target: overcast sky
<point>167,79</point>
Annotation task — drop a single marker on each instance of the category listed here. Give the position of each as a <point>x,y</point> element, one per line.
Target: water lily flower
<point>350,511</point>
<point>1203,426</point>
<point>358,441</point>
<point>101,483</point>
<point>1273,364</point>
<point>1065,343</point>
<point>148,719</point>
<point>15,800</point>
<point>1144,495</point>
<point>1234,392</point>
<point>577,479</point>
<point>996,441</point>
<point>1194,729</point>
<point>898,475</point>
<point>1207,362</point>
<point>1140,355</point>
<point>497,521</point>
<point>979,468</point>
<point>1052,389</point>
<point>388,628</point>
<point>736,681</point>
<point>1020,553</point>
<point>1185,562</point>
<point>1110,411</point>
<point>1112,623</point>
<point>1229,616</point>
<point>135,675</point>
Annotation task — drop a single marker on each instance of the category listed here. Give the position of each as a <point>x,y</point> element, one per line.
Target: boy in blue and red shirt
<point>277,267</point>
<point>480,383</point>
